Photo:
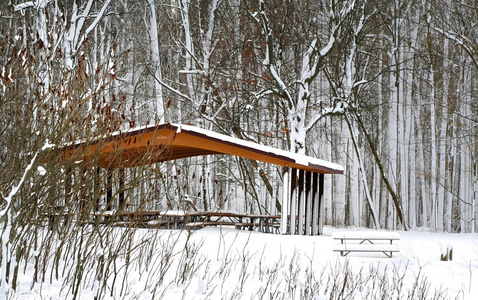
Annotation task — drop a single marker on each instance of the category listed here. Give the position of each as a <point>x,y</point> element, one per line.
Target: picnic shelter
<point>303,180</point>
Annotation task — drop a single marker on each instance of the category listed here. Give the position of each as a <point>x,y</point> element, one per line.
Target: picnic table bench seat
<point>201,224</point>
<point>366,241</point>
<point>244,225</point>
<point>159,223</point>
<point>130,224</point>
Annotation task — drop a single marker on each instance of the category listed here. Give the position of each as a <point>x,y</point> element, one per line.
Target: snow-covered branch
<point>17,187</point>
<point>96,21</point>
<point>39,4</point>
<point>6,214</point>
<point>176,91</point>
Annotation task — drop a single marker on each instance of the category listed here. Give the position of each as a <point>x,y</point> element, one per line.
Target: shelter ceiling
<point>170,141</point>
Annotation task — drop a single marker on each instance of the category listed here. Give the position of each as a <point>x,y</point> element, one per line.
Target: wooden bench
<point>244,226</point>
<point>366,241</point>
<point>266,223</point>
<point>128,224</point>
<point>201,224</point>
<point>159,224</point>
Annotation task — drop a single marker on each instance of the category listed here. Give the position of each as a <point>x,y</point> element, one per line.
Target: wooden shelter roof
<point>173,141</point>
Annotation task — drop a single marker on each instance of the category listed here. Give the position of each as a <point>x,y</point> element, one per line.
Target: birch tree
<point>158,104</point>
<point>346,77</point>
<point>294,94</point>
<point>456,23</point>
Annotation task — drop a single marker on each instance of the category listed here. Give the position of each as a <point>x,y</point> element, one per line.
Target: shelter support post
<point>321,205</point>
<point>315,204</point>
<point>308,204</point>
<point>293,202</point>
<point>300,199</point>
<point>285,209</point>
<point>68,186</point>
<point>121,199</point>
<point>109,189</point>
<point>302,209</point>
<point>97,190</point>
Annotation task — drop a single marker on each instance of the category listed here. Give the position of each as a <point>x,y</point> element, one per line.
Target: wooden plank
<point>240,226</point>
<point>293,200</point>
<point>315,204</point>
<point>218,223</point>
<point>308,203</point>
<point>109,189</point>
<point>321,205</point>
<point>158,223</point>
<point>301,202</point>
<point>285,210</point>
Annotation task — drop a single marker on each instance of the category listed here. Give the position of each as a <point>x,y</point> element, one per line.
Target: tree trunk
<point>368,195</point>
<point>157,104</point>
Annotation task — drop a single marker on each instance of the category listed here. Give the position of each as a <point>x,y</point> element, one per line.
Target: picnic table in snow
<point>176,217</point>
<point>366,241</point>
<point>199,219</point>
<point>266,223</point>
<point>179,219</point>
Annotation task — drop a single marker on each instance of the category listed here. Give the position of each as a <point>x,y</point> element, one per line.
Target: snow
<point>379,235</point>
<point>47,145</point>
<point>240,264</point>
<point>41,170</point>
<point>299,159</point>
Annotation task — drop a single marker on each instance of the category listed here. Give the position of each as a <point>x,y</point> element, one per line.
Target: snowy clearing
<point>224,263</point>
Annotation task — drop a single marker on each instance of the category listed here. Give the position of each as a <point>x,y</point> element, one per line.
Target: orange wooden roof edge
<point>174,141</point>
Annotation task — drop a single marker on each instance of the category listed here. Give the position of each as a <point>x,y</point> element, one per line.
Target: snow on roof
<point>304,160</point>
<point>151,144</point>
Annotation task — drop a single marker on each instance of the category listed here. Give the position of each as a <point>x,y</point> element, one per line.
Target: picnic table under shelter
<point>303,176</point>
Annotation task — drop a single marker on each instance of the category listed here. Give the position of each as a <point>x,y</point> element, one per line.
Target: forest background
<point>384,88</point>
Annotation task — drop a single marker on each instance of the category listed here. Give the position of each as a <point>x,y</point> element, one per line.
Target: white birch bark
<point>421,169</point>
<point>443,180</point>
<point>158,103</point>
<point>393,131</point>
<point>328,196</point>
<point>338,203</point>
<point>298,118</point>
<point>356,196</point>
<point>208,45</point>
<point>433,151</point>
<point>65,34</point>
<point>363,177</point>
<point>409,128</point>
<point>474,212</point>
<point>377,183</point>
<point>189,49</point>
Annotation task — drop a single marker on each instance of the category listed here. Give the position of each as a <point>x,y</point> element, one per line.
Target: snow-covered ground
<point>224,263</point>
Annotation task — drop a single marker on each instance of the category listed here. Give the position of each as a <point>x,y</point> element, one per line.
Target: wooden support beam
<point>302,208</point>
<point>293,200</point>
<point>308,203</point>
<point>97,191</point>
<point>301,203</point>
<point>121,200</point>
<point>321,206</point>
<point>285,209</point>
<point>315,204</point>
<point>109,189</point>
